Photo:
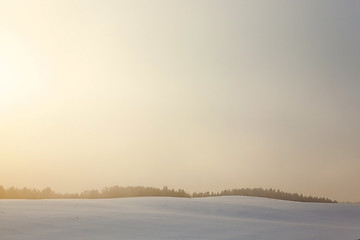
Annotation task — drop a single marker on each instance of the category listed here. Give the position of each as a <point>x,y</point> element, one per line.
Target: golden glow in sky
<point>201,95</point>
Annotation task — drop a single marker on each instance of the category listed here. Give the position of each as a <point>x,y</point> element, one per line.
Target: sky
<point>200,95</point>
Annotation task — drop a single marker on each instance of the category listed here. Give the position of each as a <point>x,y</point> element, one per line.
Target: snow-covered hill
<point>240,218</point>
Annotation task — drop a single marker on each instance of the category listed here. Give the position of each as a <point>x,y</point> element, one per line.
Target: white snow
<point>241,218</point>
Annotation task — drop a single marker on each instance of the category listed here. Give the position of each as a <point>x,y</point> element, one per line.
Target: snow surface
<point>241,218</point>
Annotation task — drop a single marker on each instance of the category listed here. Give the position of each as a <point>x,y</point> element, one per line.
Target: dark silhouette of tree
<point>2,192</point>
<point>140,191</point>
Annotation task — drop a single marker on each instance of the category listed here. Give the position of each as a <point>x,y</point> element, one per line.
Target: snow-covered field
<point>241,218</point>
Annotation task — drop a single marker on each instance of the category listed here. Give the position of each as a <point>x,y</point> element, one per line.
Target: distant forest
<point>140,191</point>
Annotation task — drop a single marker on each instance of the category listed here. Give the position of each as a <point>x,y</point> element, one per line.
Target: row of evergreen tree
<point>107,192</point>
<point>266,193</point>
<point>140,191</point>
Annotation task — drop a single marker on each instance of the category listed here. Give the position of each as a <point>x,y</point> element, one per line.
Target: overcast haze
<point>200,95</point>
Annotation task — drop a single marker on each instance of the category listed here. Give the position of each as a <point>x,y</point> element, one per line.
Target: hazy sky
<point>200,95</point>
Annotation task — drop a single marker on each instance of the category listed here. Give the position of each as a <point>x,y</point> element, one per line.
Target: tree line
<point>107,192</point>
<point>266,193</point>
<point>140,191</point>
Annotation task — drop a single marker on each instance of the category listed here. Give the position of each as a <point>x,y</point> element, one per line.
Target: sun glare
<point>23,74</point>
<point>8,83</point>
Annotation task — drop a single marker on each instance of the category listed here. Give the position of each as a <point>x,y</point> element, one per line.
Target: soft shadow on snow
<point>177,218</point>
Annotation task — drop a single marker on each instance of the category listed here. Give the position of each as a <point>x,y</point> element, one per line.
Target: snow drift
<point>244,218</point>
